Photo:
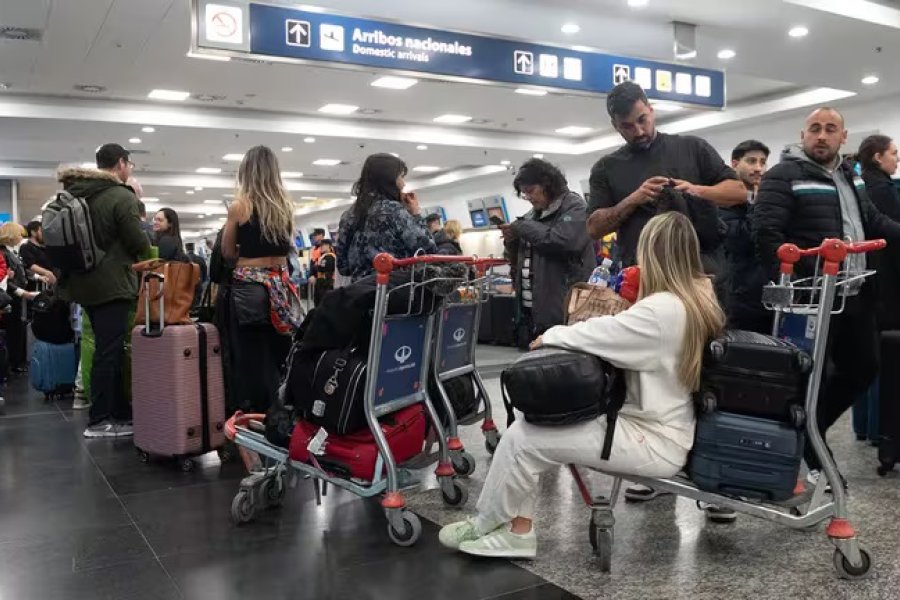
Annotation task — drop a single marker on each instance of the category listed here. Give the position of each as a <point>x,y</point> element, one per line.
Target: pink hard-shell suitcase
<point>178,389</point>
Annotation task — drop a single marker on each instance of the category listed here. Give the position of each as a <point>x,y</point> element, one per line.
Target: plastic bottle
<point>600,276</point>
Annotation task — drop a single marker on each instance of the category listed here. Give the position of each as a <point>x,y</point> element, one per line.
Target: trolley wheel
<point>798,416</point>
<point>272,491</point>
<point>242,507</point>
<point>847,571</point>
<point>708,403</point>
<point>602,543</point>
<point>227,453</point>
<point>412,529</point>
<point>187,465</point>
<point>491,441</point>
<point>463,464</point>
<point>143,456</point>
<point>454,492</point>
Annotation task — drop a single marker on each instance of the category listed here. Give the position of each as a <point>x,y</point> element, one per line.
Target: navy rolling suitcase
<point>889,403</point>
<point>757,375</point>
<point>744,456</point>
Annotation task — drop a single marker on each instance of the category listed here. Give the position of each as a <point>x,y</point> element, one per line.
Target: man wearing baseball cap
<point>108,292</point>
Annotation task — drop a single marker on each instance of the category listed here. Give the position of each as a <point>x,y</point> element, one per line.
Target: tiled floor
<point>85,519</point>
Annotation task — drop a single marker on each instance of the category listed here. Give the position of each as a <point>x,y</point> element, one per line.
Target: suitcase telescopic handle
<point>148,329</point>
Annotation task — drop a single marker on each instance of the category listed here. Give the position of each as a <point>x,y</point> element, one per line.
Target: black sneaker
<point>718,514</point>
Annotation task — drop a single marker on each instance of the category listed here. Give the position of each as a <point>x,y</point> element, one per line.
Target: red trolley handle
<point>790,254</point>
<point>240,419</point>
<point>832,250</point>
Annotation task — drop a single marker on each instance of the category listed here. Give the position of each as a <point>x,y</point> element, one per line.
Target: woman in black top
<point>878,158</point>
<point>167,235</point>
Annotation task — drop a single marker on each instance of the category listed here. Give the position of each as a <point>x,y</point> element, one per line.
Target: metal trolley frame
<point>413,331</point>
<point>816,295</point>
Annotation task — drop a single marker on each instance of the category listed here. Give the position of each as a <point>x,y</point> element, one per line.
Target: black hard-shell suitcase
<point>757,375</point>
<point>889,403</point>
<point>498,321</point>
<point>737,455</point>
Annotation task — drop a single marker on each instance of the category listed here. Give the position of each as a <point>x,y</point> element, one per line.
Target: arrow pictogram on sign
<point>297,32</point>
<point>523,62</point>
<point>621,74</point>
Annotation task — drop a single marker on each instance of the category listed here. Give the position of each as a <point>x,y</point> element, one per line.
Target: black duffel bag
<point>554,387</point>
<point>328,389</point>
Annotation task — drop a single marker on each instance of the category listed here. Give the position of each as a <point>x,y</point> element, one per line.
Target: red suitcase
<point>354,455</point>
<point>179,394</point>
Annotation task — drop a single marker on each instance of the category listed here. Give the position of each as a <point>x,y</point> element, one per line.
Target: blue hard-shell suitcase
<point>744,456</point>
<point>53,367</point>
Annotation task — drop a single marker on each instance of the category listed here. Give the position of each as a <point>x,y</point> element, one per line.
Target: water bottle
<point>600,276</point>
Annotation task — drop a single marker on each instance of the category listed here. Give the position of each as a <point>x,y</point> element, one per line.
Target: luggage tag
<point>317,443</point>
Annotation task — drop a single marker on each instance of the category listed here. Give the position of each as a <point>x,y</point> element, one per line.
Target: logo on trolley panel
<point>459,334</point>
<point>403,354</point>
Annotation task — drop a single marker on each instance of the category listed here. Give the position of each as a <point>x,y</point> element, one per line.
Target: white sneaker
<point>81,401</point>
<point>502,543</point>
<point>123,429</point>
<point>451,536</point>
<point>103,429</point>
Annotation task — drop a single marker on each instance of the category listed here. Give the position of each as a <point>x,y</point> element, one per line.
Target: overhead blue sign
<point>296,34</point>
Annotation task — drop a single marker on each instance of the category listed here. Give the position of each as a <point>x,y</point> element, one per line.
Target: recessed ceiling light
<point>309,140</point>
<point>505,163</point>
<point>666,106</point>
<point>538,156</point>
<point>146,199</point>
<point>291,174</point>
<point>201,216</point>
<point>134,140</point>
<point>574,130</point>
<point>452,119</point>
<point>426,169</point>
<point>798,32</point>
<point>172,95</point>
<point>582,48</point>
<point>870,79</point>
<point>727,54</point>
<point>90,89</point>
<point>531,92</point>
<point>638,3</point>
<point>198,189</point>
<point>570,28</point>
<point>339,109</point>
<point>190,192</point>
<point>209,171</point>
<point>212,202</point>
<point>287,149</point>
<point>395,83</point>
<point>233,157</point>
<point>421,147</point>
<point>327,162</point>
<point>148,129</point>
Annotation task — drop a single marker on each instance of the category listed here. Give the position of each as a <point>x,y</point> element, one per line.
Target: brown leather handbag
<point>586,301</point>
<point>179,281</point>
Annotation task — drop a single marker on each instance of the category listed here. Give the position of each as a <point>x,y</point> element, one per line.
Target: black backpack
<point>554,387</point>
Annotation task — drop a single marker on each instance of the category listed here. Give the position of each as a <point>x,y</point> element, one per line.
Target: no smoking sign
<point>224,24</point>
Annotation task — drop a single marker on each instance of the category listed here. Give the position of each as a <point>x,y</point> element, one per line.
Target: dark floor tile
<point>545,591</point>
<point>144,580</point>
<point>68,512</point>
<point>71,551</point>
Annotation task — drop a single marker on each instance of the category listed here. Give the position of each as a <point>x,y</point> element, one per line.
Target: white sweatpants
<point>526,451</point>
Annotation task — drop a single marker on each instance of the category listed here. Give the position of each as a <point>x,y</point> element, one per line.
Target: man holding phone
<point>626,185</point>
<point>629,187</point>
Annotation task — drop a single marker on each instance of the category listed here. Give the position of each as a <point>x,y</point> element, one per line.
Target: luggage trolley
<point>816,295</point>
<point>454,356</point>
<point>397,367</point>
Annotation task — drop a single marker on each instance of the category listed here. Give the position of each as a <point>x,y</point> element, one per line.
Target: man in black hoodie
<point>808,197</point>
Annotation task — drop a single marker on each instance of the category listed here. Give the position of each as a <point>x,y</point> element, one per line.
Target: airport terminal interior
<point>480,105</point>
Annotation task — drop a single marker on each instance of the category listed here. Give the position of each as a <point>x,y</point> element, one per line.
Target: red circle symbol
<point>224,24</point>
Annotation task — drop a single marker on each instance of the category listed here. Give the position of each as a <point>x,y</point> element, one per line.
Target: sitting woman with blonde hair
<point>659,343</point>
<point>447,239</point>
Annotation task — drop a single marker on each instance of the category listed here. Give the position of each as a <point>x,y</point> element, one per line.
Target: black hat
<point>108,155</point>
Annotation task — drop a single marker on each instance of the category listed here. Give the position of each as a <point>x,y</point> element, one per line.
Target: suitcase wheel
<point>186,463</point>
<point>144,457</point>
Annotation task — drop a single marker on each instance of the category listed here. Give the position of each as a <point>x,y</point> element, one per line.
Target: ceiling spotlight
<point>798,32</point>
<point>198,189</point>
<point>727,54</point>
<point>531,92</point>
<point>394,83</point>
<point>309,140</point>
<point>172,95</point>
<point>570,28</point>
<point>505,163</point>
<point>190,192</point>
<point>662,106</point>
<point>291,174</point>
<point>339,109</point>
<point>451,119</point>
<point>426,169</point>
<point>287,149</point>
<point>421,147</point>
<point>327,162</point>
<point>134,140</point>
<point>148,129</point>
<point>233,157</point>
<point>638,3</point>
<point>573,130</point>
<point>538,156</point>
<point>870,79</point>
<point>212,202</point>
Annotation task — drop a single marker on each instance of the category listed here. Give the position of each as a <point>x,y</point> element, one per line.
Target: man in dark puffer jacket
<point>806,198</point>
